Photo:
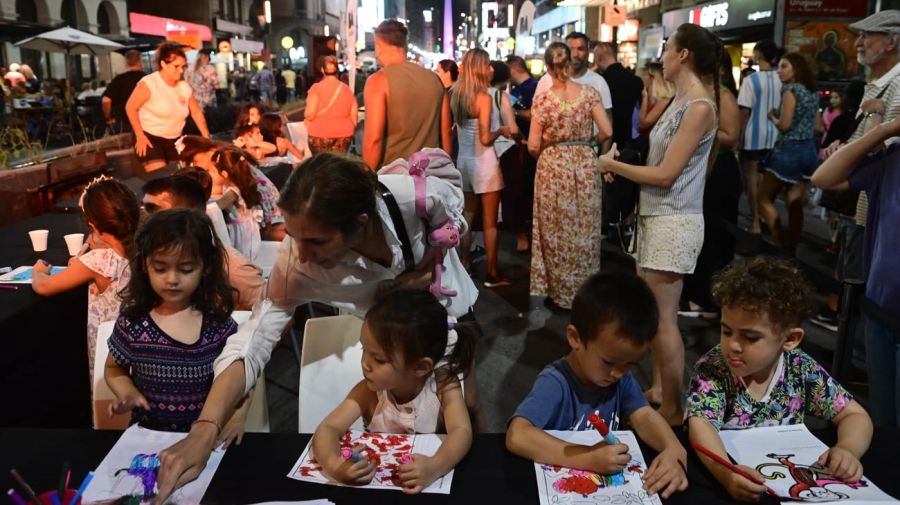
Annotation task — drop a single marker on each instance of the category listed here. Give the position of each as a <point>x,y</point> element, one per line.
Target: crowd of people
<point>561,160</point>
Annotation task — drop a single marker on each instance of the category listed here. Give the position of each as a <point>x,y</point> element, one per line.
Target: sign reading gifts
<point>189,34</point>
<point>722,15</point>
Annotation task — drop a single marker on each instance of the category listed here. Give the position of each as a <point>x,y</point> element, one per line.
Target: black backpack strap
<point>399,226</point>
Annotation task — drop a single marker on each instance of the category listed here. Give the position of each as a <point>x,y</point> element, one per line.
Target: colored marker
<point>68,478</point>
<point>54,497</point>
<point>727,464</point>
<point>24,485</point>
<point>82,487</point>
<point>16,497</point>
<point>9,287</point>
<point>348,453</point>
<point>406,459</point>
<point>601,426</point>
<point>61,490</point>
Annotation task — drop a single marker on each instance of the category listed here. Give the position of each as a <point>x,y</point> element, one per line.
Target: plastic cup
<point>45,497</point>
<point>39,239</point>
<point>74,241</point>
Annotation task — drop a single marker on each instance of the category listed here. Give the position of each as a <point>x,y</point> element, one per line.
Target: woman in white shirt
<point>158,108</point>
<point>343,249</point>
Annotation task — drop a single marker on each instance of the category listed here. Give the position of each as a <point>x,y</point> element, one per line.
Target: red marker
<point>727,464</point>
<point>601,426</point>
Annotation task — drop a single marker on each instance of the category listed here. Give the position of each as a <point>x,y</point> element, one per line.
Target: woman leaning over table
<point>158,108</point>
<point>669,233</point>
<point>342,250</point>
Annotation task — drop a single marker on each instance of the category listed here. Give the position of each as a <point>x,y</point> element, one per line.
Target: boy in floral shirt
<point>758,376</point>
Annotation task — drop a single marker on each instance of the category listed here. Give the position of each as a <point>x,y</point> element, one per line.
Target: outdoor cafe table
<point>43,366</point>
<point>256,470</point>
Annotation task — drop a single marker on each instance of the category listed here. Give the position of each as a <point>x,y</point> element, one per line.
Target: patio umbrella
<point>70,41</point>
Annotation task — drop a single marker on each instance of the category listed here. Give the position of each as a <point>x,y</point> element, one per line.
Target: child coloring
<point>614,318</point>
<point>175,319</point>
<point>758,376</point>
<point>111,211</point>
<point>410,385</point>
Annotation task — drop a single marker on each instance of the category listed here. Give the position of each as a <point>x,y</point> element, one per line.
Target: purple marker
<point>406,459</point>
<point>16,497</point>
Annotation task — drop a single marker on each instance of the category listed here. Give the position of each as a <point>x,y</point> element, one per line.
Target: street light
<point>267,10</point>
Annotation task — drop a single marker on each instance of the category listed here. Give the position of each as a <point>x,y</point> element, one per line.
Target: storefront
<point>740,25</point>
<point>820,32</point>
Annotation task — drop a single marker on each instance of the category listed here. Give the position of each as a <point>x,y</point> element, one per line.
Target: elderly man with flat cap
<point>878,48</point>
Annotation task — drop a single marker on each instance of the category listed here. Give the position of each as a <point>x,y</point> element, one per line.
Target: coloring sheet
<point>785,455</point>
<point>385,450</point>
<point>22,275</point>
<point>130,469</point>
<point>558,485</point>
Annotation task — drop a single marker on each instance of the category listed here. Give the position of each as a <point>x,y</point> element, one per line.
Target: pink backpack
<point>421,165</point>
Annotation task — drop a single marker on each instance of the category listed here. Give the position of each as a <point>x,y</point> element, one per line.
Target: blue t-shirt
<point>879,177</point>
<point>560,401</point>
<point>524,95</point>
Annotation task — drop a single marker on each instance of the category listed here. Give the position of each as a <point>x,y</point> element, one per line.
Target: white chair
<point>257,417</point>
<point>329,368</point>
<point>299,136</point>
<point>268,253</point>
<point>103,397</point>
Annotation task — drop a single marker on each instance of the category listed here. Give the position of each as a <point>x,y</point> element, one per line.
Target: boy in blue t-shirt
<point>614,318</point>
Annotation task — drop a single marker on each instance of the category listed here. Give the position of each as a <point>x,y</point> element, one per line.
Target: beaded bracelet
<point>210,421</point>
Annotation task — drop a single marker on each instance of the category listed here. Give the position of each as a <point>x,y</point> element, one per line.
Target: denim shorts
<point>793,161</point>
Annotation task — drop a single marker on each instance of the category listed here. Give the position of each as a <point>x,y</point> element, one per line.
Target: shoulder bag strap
<point>399,226</point>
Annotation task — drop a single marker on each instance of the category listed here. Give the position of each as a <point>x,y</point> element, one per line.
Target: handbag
<point>337,91</point>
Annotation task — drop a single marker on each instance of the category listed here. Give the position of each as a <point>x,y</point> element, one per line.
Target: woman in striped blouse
<point>669,234</point>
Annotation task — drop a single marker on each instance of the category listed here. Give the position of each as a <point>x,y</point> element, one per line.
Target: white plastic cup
<point>74,241</point>
<point>39,239</point>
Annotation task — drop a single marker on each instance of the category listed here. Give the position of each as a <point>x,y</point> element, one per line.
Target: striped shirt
<point>890,84</point>
<point>760,92</point>
<point>685,196</point>
<point>173,376</point>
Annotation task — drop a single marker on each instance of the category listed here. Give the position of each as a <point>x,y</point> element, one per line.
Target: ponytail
<point>460,360</point>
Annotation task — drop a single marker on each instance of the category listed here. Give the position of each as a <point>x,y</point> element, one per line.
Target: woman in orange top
<point>331,111</point>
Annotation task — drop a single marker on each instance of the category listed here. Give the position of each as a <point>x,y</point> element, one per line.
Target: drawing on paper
<point>559,485</point>
<point>385,450</point>
<point>810,483</point>
<point>128,474</point>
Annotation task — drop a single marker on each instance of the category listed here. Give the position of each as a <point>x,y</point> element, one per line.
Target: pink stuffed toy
<point>445,236</point>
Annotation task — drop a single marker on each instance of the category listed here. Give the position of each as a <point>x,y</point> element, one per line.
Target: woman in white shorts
<point>669,234</point>
<point>477,161</point>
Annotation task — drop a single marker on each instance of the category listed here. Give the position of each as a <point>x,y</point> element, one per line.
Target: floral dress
<point>271,213</point>
<point>567,188</point>
<point>204,82</point>
<point>801,387</point>
<point>103,306</point>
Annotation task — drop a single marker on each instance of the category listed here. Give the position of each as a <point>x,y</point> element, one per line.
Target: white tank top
<point>421,415</point>
<point>164,113</point>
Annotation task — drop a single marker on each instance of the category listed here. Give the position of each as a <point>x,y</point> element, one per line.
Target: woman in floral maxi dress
<point>567,187</point>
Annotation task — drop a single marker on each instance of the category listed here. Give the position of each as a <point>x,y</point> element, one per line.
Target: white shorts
<point>669,243</point>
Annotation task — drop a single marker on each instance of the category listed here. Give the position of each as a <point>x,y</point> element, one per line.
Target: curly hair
<point>765,285</point>
<point>189,231</point>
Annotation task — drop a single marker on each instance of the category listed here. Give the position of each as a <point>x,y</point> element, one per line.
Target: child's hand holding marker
<point>355,468</point>
<point>610,455</point>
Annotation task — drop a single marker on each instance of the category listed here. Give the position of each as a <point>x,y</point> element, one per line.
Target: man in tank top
<point>406,106</point>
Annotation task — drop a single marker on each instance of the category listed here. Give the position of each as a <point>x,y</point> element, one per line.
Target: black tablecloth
<point>256,471</point>
<point>43,365</point>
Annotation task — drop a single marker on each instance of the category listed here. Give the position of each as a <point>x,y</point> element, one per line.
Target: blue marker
<point>82,487</point>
